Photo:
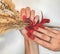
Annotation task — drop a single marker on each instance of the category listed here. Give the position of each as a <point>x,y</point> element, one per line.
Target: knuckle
<point>34,32</point>
<point>47,32</point>
<point>33,11</point>
<point>42,36</point>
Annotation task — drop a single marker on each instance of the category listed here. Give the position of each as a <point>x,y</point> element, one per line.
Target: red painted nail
<point>30,36</point>
<point>31,31</point>
<point>36,28</point>
<point>27,29</point>
<point>24,17</point>
<point>42,27</point>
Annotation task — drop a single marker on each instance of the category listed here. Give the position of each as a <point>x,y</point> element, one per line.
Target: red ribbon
<point>33,26</point>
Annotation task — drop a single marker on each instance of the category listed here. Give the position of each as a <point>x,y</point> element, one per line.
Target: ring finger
<point>41,36</point>
<point>32,15</point>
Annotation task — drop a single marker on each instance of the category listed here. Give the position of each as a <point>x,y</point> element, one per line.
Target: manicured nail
<point>27,29</point>
<point>24,17</point>
<point>36,28</point>
<point>42,27</point>
<point>31,31</point>
<point>30,36</point>
<point>48,20</point>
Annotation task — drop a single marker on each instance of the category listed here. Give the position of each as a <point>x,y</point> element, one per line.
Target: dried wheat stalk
<point>9,17</point>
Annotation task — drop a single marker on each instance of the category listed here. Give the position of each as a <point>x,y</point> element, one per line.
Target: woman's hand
<point>48,38</point>
<point>28,13</point>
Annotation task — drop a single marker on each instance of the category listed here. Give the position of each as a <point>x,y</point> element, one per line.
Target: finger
<point>42,43</point>
<point>28,12</point>
<point>23,13</point>
<point>24,33</point>
<point>41,36</point>
<point>51,29</point>
<point>32,15</point>
<point>46,32</point>
<point>36,19</point>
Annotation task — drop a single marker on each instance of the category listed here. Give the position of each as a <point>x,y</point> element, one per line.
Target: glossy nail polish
<point>30,36</point>
<point>24,17</point>
<point>27,28</point>
<point>36,28</point>
<point>31,31</point>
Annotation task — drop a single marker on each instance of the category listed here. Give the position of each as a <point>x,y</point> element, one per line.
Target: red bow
<point>33,26</point>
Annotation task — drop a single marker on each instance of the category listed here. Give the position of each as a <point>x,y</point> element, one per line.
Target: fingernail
<point>42,27</point>
<point>31,31</point>
<point>24,17</point>
<point>36,28</point>
<point>27,29</point>
<point>30,36</point>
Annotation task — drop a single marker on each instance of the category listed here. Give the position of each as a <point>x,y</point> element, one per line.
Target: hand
<point>27,13</point>
<point>48,38</point>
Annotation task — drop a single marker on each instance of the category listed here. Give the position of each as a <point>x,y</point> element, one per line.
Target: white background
<point>13,42</point>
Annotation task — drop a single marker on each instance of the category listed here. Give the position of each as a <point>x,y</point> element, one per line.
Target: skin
<point>29,14</point>
<point>28,42</point>
<point>47,37</point>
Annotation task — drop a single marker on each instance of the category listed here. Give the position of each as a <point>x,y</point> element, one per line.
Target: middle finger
<point>46,32</point>
<point>41,36</point>
<point>28,12</point>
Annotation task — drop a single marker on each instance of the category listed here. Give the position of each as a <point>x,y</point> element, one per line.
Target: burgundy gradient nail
<point>27,28</point>
<point>42,26</point>
<point>30,36</point>
<point>24,17</point>
<point>31,31</point>
<point>36,28</point>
